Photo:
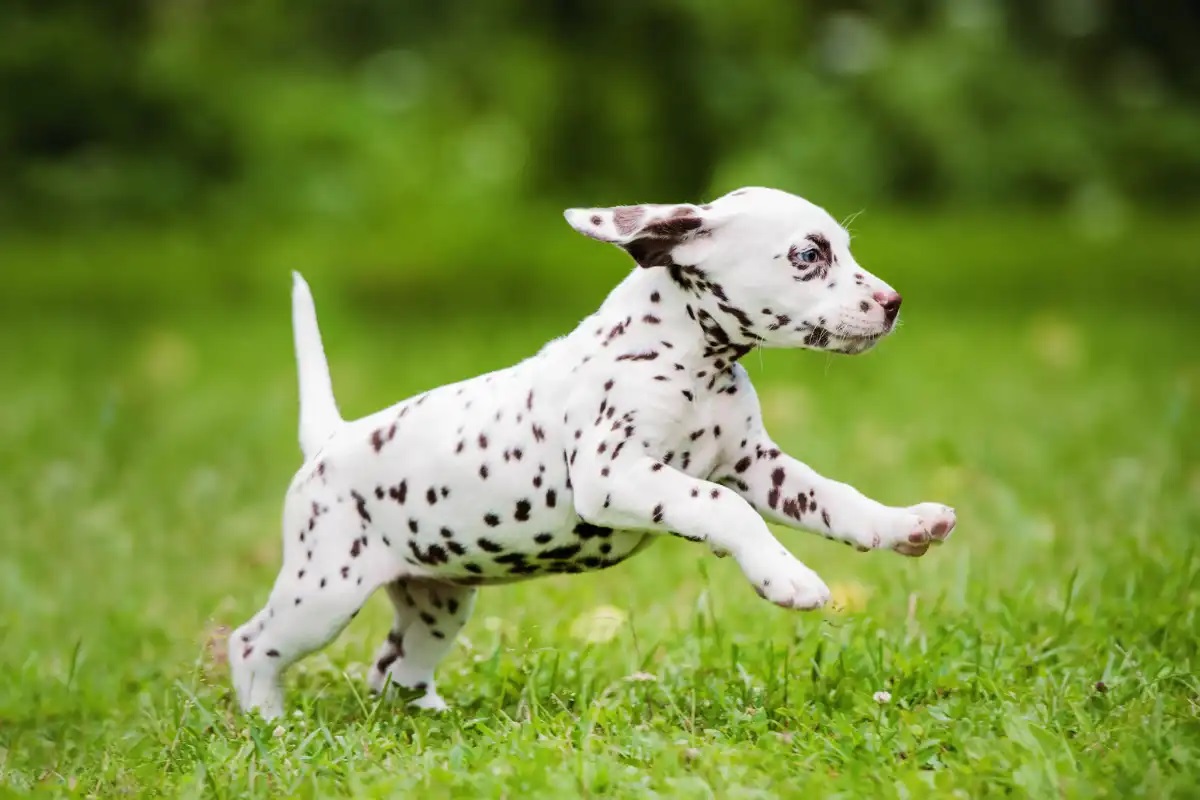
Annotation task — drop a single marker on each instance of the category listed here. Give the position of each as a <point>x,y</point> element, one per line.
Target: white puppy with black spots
<point>639,423</point>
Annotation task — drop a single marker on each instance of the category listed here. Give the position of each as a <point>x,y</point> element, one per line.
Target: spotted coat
<point>638,424</point>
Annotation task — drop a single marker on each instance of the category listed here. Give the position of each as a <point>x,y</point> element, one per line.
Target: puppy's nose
<point>890,302</point>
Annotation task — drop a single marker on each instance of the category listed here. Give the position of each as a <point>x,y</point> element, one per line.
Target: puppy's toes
<point>927,524</point>
<point>792,585</point>
<point>431,701</point>
<point>939,520</point>
<point>942,529</point>
<point>912,550</point>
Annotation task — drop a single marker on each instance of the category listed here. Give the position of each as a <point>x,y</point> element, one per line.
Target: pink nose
<point>890,302</point>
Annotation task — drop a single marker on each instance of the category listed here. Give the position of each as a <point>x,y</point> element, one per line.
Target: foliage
<point>134,108</point>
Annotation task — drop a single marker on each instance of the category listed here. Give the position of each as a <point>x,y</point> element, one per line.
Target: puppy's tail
<point>319,416</point>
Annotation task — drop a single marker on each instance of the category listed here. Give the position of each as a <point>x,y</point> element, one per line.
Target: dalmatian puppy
<point>637,425</point>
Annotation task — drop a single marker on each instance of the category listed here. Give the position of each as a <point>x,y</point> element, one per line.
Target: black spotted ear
<point>647,232</point>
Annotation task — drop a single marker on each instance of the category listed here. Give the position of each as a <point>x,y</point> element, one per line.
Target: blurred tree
<point>135,107</point>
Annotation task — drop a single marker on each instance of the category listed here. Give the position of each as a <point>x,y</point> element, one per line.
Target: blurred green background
<point>1025,173</point>
<point>178,153</point>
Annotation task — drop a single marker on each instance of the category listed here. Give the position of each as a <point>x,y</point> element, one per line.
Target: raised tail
<point>319,416</point>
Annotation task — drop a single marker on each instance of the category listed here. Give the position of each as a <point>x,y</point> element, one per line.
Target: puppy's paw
<point>787,583</point>
<point>431,701</point>
<point>922,525</point>
<point>264,698</point>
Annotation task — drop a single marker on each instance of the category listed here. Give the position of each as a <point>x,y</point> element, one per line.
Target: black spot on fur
<point>561,553</point>
<point>360,504</point>
<point>586,530</point>
<point>386,661</point>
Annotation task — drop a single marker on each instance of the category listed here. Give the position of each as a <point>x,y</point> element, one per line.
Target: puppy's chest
<point>693,441</point>
<point>657,409</point>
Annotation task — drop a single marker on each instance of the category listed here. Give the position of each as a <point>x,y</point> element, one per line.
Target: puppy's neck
<point>677,311</point>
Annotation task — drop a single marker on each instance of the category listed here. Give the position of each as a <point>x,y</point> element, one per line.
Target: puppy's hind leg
<point>321,587</point>
<point>428,617</point>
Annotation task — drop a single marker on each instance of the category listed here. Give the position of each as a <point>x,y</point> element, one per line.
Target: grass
<point>1050,649</point>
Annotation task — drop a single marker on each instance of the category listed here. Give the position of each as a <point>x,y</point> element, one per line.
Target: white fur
<point>639,423</point>
<point>319,416</point>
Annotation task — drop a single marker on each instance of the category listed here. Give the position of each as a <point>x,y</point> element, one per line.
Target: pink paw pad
<point>941,530</point>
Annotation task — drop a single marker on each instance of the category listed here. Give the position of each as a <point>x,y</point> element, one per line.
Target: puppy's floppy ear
<point>647,232</point>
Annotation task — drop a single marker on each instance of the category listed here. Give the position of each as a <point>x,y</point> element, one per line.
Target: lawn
<point>1049,649</point>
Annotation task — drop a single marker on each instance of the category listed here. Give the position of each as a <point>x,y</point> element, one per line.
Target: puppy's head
<point>765,266</point>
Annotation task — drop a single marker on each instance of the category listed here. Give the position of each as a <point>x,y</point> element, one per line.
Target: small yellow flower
<point>847,598</point>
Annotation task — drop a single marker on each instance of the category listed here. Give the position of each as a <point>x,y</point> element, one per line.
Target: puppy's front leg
<point>643,493</point>
<point>792,493</point>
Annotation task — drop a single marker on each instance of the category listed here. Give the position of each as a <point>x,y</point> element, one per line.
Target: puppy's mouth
<point>853,345</point>
<point>844,340</point>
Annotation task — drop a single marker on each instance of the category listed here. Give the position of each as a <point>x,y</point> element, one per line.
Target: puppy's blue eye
<point>809,256</point>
